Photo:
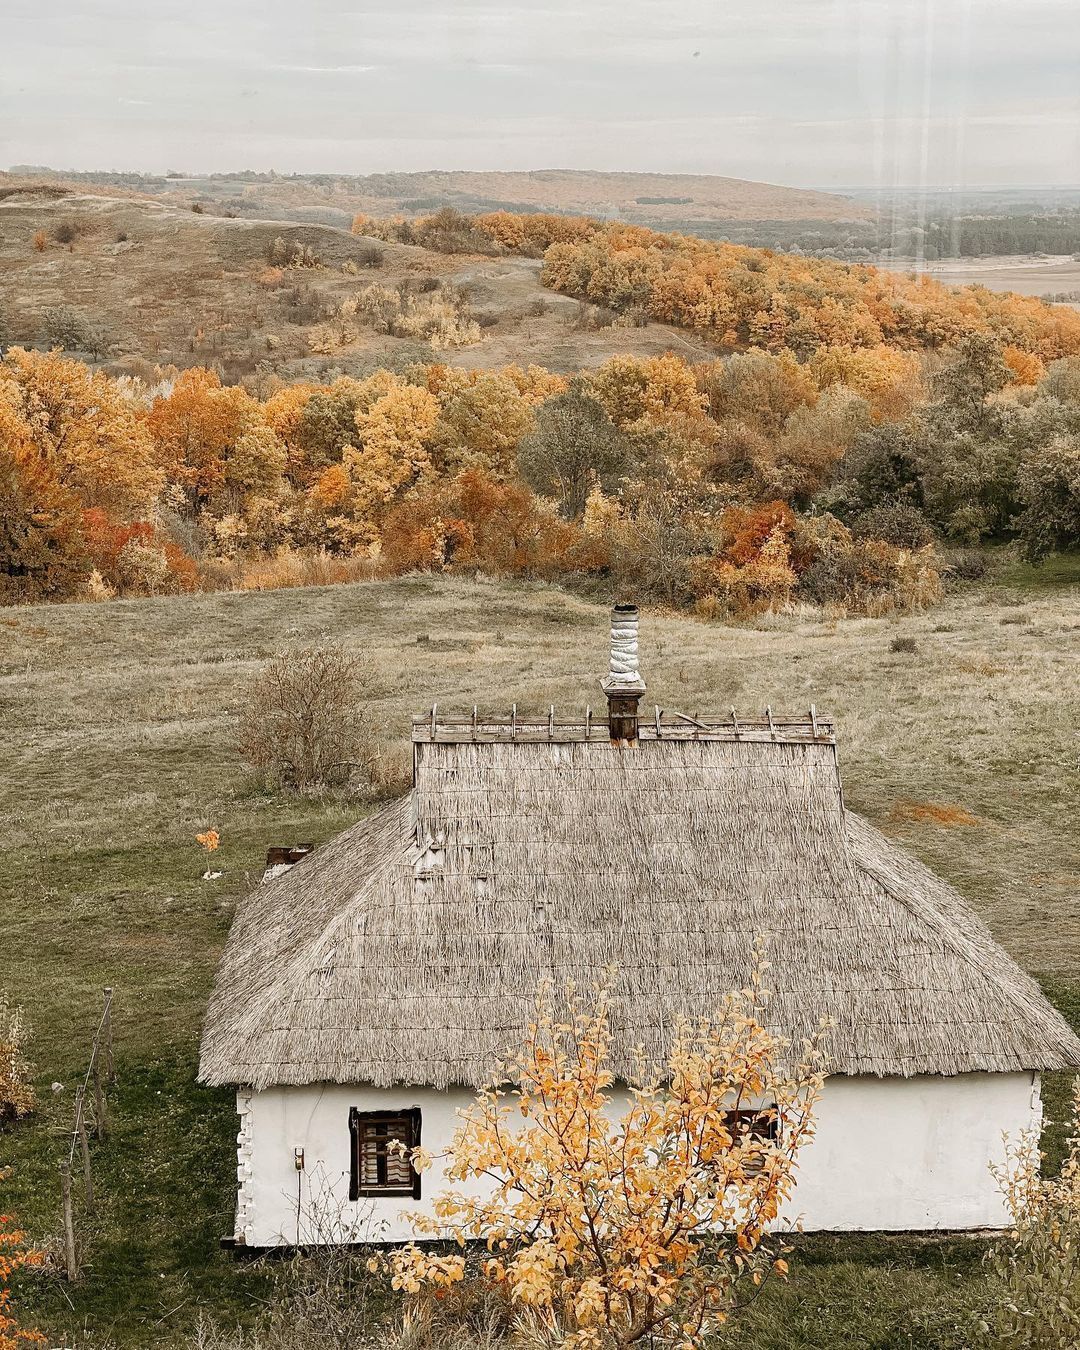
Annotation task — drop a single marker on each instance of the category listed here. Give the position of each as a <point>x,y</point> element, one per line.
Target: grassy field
<point>119,747</point>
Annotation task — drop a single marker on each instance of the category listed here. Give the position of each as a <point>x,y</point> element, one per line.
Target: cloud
<point>830,92</point>
<point>324,70</point>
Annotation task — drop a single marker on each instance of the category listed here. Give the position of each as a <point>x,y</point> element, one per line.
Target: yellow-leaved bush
<point>16,1078</point>
<point>1035,1269</point>
<point>615,1214</point>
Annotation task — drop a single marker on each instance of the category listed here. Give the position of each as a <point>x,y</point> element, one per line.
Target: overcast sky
<point>804,92</point>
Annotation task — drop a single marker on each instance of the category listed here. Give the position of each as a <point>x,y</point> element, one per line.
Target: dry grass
<point>937,813</point>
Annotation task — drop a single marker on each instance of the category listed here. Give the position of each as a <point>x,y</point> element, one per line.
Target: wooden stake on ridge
<point>106,1036</point>
<point>70,1265</point>
<point>100,1108</point>
<point>84,1143</point>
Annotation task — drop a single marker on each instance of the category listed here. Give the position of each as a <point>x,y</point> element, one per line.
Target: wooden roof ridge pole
<point>683,717</point>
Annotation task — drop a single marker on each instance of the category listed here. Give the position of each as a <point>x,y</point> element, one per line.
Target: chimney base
<point>623,715</point>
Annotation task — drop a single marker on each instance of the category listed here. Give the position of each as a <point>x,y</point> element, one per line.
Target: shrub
<point>71,331</point>
<point>16,1088</point>
<point>438,315</point>
<point>14,1256</point>
<point>965,564</point>
<point>369,255</point>
<point>135,558</point>
<point>907,645</point>
<point>448,231</point>
<point>1037,1267</point>
<point>66,232</point>
<point>1050,492</point>
<point>638,1225</point>
<point>897,521</point>
<point>40,241</point>
<point>303,724</point>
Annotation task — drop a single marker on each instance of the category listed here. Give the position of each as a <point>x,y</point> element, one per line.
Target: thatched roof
<point>409,949</point>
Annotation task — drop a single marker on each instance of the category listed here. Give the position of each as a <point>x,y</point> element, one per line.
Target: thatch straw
<point>409,949</point>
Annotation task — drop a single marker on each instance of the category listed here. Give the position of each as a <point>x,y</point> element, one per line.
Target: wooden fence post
<point>69,1222</point>
<point>106,1035</point>
<point>84,1142</point>
<point>100,1108</point>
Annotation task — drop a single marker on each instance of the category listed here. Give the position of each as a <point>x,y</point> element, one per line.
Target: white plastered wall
<point>889,1153</point>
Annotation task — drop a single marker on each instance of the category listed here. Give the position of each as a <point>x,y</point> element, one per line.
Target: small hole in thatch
<point>903,644</point>
<point>936,813</point>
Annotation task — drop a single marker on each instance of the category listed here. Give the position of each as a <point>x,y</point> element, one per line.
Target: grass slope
<point>119,722</point>
<point>162,283</point>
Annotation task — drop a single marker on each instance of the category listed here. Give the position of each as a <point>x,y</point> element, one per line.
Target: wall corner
<point>244,1228</point>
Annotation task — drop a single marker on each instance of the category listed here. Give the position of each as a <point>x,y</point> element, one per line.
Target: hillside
<point>161,284</point>
<point>647,197</point>
<point>120,723</point>
<point>651,198</point>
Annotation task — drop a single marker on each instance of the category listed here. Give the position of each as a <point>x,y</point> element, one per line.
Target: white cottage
<point>367,991</point>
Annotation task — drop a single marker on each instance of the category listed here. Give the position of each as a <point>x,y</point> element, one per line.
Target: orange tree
<point>620,1216</point>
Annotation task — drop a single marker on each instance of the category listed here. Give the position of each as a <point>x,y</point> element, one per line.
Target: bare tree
<point>303,724</point>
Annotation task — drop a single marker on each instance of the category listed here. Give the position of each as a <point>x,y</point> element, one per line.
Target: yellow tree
<point>887,378</point>
<point>41,545</point>
<point>618,1216</point>
<point>649,393</point>
<point>484,415</point>
<point>394,426</point>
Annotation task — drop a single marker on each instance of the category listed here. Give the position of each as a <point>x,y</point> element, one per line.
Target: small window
<point>381,1144</point>
<point>762,1125</point>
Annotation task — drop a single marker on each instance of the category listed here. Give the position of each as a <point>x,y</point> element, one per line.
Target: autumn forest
<point>854,433</point>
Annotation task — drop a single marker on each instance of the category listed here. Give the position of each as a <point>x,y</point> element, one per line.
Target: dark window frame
<point>357,1121</point>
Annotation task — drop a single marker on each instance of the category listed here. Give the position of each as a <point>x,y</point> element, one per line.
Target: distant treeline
<point>942,235</point>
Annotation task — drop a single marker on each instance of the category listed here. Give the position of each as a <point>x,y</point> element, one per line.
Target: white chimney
<point>623,684</point>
